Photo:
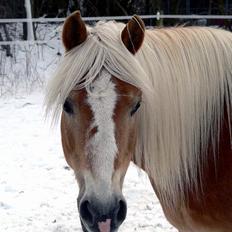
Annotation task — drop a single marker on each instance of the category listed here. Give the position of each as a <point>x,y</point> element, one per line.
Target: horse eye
<point>135,109</point>
<point>67,107</point>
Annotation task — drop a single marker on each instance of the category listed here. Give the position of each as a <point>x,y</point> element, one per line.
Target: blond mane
<point>185,75</point>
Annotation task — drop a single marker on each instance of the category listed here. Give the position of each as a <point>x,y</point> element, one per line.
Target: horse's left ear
<point>133,34</point>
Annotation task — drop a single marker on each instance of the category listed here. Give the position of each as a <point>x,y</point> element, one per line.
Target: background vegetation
<point>60,8</point>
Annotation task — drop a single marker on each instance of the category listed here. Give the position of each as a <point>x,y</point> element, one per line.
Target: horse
<point>161,98</point>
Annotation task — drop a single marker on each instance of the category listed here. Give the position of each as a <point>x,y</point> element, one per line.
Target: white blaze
<point>102,147</point>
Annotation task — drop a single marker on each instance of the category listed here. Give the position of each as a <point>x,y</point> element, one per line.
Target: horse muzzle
<point>102,217</point>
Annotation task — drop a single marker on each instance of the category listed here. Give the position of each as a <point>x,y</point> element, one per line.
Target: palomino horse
<point>181,79</point>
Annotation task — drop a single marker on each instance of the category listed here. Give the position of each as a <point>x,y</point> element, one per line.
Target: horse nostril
<point>121,212</point>
<point>97,214</point>
<point>86,212</point>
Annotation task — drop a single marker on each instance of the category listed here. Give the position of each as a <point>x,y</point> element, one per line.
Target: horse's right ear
<point>74,31</point>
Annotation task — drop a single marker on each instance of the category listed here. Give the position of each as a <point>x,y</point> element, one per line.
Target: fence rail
<point>156,16</point>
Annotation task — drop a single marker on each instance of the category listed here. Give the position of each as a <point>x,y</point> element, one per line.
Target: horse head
<point>98,128</point>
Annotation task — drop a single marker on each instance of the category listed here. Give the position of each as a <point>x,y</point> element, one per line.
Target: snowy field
<point>38,191</point>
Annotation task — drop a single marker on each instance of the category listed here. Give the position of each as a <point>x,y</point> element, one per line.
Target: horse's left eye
<point>135,109</point>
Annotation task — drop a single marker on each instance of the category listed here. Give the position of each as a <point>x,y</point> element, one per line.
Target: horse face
<point>99,133</point>
<point>98,137</point>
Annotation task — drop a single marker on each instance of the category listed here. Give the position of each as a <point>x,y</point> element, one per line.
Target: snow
<point>37,189</point>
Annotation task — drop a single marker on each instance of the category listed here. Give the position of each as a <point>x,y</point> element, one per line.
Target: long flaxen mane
<point>185,75</point>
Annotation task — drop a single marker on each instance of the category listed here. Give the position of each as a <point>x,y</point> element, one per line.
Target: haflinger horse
<point>161,98</point>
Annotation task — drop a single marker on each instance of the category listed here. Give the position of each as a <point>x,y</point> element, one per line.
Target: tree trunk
<point>24,31</point>
<point>6,47</point>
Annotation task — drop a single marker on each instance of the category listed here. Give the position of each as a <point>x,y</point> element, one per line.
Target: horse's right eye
<point>67,107</point>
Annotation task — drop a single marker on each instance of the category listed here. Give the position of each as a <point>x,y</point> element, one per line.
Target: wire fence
<point>156,16</point>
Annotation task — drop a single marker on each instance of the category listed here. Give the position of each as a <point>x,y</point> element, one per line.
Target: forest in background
<point>61,8</point>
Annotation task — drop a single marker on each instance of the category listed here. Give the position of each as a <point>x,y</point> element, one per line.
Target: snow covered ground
<point>38,191</point>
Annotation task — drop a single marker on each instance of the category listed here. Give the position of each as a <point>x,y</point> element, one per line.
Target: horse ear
<point>74,31</point>
<point>133,34</point>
